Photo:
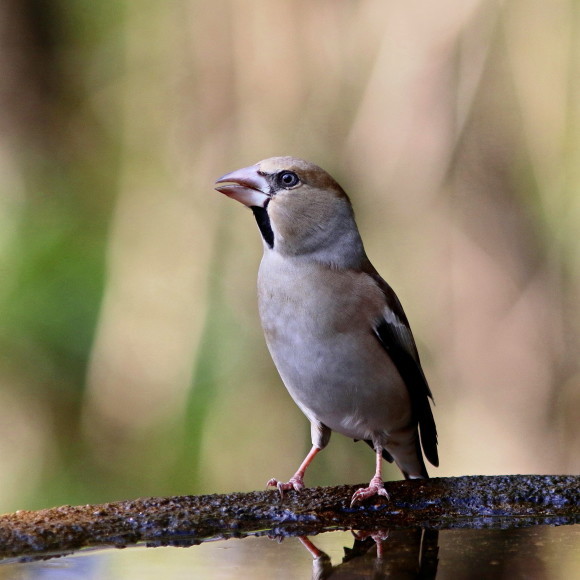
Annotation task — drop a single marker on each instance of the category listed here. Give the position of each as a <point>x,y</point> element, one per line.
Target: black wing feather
<point>395,336</point>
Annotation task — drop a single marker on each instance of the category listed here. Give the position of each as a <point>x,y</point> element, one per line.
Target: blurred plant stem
<point>131,358</point>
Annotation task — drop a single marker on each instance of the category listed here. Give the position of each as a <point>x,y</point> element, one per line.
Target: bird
<point>336,331</point>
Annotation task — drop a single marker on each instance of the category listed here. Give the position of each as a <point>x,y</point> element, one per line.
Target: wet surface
<point>440,503</point>
<point>467,527</point>
<point>538,552</point>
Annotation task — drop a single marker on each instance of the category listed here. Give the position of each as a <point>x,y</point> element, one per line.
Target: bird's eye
<point>288,179</point>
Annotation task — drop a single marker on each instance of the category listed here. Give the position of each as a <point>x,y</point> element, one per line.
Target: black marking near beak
<point>263,221</point>
<point>250,187</point>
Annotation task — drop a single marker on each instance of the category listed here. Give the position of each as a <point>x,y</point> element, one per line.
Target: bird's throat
<point>263,221</point>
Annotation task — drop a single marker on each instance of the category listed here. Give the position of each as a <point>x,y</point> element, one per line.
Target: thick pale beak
<point>246,186</point>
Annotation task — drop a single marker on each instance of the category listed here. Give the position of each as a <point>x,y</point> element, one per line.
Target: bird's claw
<point>376,535</point>
<point>296,483</point>
<point>376,487</point>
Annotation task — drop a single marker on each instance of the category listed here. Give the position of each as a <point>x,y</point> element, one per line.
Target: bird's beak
<point>245,185</point>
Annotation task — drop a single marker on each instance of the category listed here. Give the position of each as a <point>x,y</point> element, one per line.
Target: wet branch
<point>471,501</point>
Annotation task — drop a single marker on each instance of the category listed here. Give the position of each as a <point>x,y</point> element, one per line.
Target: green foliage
<point>131,362</point>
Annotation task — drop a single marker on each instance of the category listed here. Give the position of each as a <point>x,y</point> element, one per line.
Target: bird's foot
<point>376,487</point>
<point>376,535</point>
<point>296,482</point>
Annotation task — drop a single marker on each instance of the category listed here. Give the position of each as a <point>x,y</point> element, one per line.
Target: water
<point>536,552</point>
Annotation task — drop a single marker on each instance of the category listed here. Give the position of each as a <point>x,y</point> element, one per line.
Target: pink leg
<point>297,480</point>
<point>376,486</point>
<point>314,551</point>
<point>379,536</point>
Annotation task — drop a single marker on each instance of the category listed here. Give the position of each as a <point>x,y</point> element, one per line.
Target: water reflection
<point>538,552</point>
<point>381,554</point>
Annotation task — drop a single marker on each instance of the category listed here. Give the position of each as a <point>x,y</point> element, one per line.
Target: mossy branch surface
<point>440,503</point>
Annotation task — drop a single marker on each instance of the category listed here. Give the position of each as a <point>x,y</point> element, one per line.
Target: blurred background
<point>132,362</point>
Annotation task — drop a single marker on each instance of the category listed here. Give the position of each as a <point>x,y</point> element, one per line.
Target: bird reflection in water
<point>411,553</point>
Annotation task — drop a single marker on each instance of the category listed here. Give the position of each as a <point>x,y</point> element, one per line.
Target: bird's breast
<point>304,301</point>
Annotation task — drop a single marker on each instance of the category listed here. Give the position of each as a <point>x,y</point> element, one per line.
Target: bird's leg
<point>314,551</point>
<point>376,485</point>
<point>297,480</point>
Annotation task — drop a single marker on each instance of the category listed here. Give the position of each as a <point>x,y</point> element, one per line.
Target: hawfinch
<point>335,329</point>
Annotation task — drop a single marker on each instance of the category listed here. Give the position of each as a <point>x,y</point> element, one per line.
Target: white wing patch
<point>402,331</point>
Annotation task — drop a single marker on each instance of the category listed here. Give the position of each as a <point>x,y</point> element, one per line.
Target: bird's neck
<point>344,251</point>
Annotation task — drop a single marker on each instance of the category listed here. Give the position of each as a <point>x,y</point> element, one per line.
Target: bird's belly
<point>319,330</point>
<point>355,391</point>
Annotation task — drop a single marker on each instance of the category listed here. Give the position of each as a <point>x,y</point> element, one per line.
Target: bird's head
<point>300,209</point>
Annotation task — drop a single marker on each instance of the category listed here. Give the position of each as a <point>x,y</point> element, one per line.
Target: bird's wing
<point>394,334</point>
